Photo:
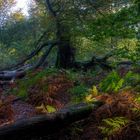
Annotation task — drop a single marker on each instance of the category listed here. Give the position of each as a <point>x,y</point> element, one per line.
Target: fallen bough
<point>48,124</point>
<point>7,76</point>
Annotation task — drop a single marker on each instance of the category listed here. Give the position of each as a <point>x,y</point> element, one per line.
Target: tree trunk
<point>65,53</point>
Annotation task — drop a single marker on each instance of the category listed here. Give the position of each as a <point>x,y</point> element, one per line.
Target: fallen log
<point>9,75</point>
<point>48,124</point>
<point>102,62</point>
<point>127,63</point>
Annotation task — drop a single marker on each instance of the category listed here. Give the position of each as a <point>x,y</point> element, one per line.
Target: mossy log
<point>48,124</point>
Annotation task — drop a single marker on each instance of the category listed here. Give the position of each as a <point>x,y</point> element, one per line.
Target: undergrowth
<point>49,90</point>
<point>46,89</point>
<point>115,82</point>
<point>31,79</point>
<point>79,92</point>
<point>116,119</point>
<point>6,111</point>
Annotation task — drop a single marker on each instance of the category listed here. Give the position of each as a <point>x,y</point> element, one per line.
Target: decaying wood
<point>48,124</point>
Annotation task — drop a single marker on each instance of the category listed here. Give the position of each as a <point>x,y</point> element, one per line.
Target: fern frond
<point>113,125</point>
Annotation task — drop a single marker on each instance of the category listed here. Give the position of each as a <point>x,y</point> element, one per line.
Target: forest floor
<point>47,91</point>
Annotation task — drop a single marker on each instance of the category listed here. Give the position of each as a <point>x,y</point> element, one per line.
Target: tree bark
<point>66,53</point>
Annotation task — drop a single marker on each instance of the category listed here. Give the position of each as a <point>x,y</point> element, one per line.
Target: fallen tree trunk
<point>102,62</point>
<point>9,75</point>
<point>48,124</point>
<point>127,63</point>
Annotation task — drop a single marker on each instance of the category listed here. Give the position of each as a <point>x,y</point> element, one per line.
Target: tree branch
<point>49,7</point>
<point>45,55</point>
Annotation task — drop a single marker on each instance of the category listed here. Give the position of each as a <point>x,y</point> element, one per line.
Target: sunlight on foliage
<point>93,92</point>
<point>112,83</point>
<point>45,108</point>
